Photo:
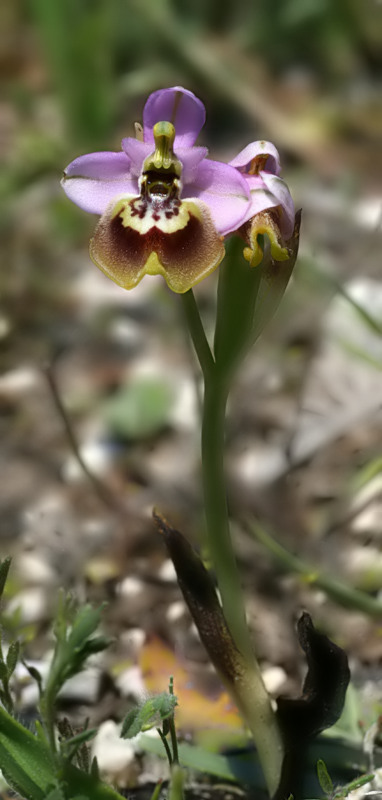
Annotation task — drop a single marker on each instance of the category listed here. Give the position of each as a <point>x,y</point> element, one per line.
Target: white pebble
<point>32,568</point>
<point>176,611</point>
<point>130,587</point>
<point>130,683</point>
<point>167,572</point>
<point>274,678</point>
<point>31,604</point>
<point>18,381</point>
<point>116,757</point>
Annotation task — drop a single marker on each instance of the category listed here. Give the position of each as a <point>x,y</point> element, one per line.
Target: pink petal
<point>261,148</point>
<point>93,180</point>
<point>190,158</point>
<point>176,105</point>
<point>137,152</point>
<point>279,190</point>
<point>224,190</point>
<point>261,197</point>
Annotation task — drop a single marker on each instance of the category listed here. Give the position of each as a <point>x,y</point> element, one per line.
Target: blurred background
<point>304,426</point>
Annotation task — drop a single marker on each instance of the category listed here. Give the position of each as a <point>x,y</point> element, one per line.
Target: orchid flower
<point>272,208</point>
<point>165,207</point>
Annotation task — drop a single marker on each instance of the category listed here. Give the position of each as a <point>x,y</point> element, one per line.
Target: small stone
<point>18,382</point>
<point>130,683</point>
<point>116,757</point>
<point>83,687</point>
<point>96,455</point>
<point>274,678</point>
<point>31,604</point>
<point>166,572</point>
<point>133,640</point>
<point>33,569</point>
<point>130,587</point>
<point>176,611</point>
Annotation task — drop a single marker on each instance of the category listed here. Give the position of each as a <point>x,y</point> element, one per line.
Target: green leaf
<point>131,725</point>
<point>74,645</point>
<point>275,277</point>
<point>237,291</point>
<point>248,298</point>
<point>4,569</point>
<point>141,408</point>
<point>25,761</point>
<point>30,768</point>
<point>164,704</point>
<point>56,794</point>
<point>70,747</point>
<point>12,657</point>
<point>84,736</point>
<point>151,713</point>
<point>83,784</point>
<point>201,760</point>
<point>3,671</point>
<point>35,674</point>
<point>324,778</point>
<point>94,769</point>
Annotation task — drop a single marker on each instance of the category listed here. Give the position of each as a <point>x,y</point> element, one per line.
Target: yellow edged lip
<point>137,236</point>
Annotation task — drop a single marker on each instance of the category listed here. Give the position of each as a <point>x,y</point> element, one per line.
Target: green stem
<point>176,783</point>
<point>171,725</point>
<point>166,746</point>
<point>48,714</point>
<point>215,500</point>
<point>199,339</point>
<point>174,741</point>
<point>342,593</point>
<point>216,512</point>
<point>249,690</point>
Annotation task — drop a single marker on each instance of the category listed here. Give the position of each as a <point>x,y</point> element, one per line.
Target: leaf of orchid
<point>318,708</point>
<point>199,593</point>
<point>324,689</point>
<point>237,292</point>
<point>274,279</point>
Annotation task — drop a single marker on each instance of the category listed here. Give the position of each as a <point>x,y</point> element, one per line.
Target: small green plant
<point>324,778</point>
<point>158,711</point>
<point>51,761</point>
<point>328,788</point>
